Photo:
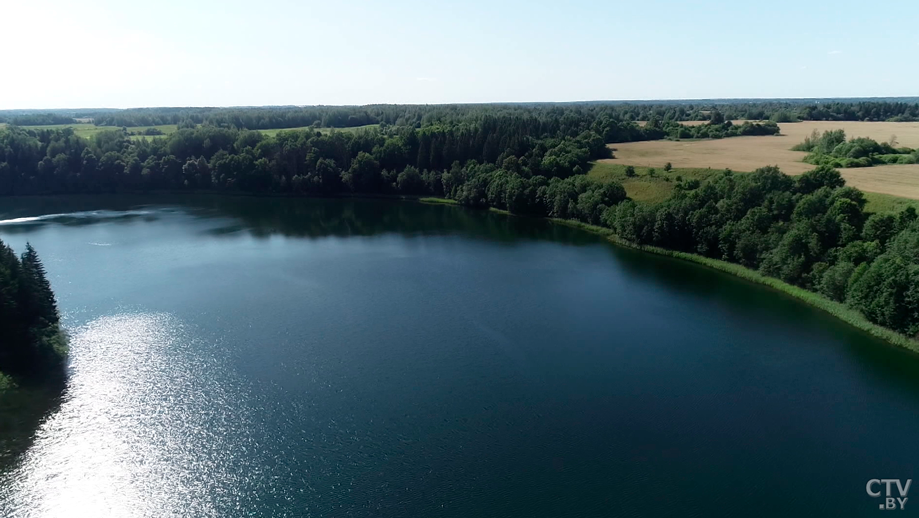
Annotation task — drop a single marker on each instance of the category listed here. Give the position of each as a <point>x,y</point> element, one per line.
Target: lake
<point>312,357</point>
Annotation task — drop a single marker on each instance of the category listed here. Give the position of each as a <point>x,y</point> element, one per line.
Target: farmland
<point>749,153</point>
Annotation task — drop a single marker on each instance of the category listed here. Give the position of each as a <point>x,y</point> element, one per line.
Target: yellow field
<point>748,153</point>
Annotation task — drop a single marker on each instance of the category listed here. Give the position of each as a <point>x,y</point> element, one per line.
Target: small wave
<point>101,244</point>
<point>78,216</point>
<point>15,221</point>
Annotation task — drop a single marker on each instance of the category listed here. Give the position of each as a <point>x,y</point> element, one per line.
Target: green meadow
<point>88,130</point>
<point>648,186</point>
<point>273,132</point>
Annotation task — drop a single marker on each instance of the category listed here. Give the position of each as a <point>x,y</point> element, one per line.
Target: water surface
<point>292,357</point>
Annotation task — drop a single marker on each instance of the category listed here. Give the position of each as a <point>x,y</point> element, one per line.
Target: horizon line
<point>596,101</point>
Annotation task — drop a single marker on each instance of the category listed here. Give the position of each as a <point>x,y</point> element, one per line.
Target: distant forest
<point>274,117</point>
<point>810,231</point>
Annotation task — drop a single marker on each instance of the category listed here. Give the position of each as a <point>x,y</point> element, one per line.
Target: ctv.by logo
<point>890,503</point>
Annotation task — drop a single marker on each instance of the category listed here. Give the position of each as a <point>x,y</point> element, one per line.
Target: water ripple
<point>144,430</point>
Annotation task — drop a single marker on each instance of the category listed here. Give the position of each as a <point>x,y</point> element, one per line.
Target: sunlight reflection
<point>136,435</point>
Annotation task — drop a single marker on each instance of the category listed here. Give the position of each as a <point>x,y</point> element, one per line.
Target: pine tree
<point>32,345</point>
<point>33,267</point>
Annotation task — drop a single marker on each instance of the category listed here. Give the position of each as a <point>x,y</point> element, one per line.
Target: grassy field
<point>749,153</point>
<point>88,130</point>
<point>273,132</point>
<point>441,201</point>
<point>644,188</point>
<point>878,202</point>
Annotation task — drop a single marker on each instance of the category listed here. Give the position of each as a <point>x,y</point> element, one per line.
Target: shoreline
<point>836,309</point>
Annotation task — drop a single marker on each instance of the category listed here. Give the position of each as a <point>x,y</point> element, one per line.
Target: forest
<point>34,346</point>
<point>273,117</point>
<point>810,231</point>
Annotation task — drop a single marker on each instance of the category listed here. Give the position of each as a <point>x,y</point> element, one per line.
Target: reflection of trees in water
<point>292,217</point>
<point>886,364</point>
<point>298,217</point>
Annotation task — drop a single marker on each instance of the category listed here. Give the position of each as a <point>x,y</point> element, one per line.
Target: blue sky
<point>104,53</point>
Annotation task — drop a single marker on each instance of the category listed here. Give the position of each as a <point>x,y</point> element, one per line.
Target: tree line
<point>304,162</point>
<point>41,119</point>
<point>273,117</point>
<point>33,345</point>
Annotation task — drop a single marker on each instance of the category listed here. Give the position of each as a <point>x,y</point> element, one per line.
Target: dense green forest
<point>33,346</point>
<point>418,115</point>
<point>832,149</point>
<point>40,119</point>
<point>810,231</point>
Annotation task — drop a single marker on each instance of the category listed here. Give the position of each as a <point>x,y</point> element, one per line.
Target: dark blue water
<point>277,357</point>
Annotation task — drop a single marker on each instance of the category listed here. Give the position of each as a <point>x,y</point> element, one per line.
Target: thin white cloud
<point>426,79</point>
<point>834,52</point>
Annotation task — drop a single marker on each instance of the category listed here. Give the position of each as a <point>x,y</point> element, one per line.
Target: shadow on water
<point>318,218</point>
<point>883,362</point>
<point>21,413</point>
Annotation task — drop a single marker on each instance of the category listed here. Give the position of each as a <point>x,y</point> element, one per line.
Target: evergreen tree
<point>33,345</point>
<point>37,277</point>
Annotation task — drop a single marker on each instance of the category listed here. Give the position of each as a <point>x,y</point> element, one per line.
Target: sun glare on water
<point>137,433</point>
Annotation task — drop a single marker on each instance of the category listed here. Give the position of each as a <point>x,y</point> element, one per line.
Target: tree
<point>35,278</point>
<point>33,346</point>
<point>409,181</point>
<point>822,176</point>
<point>629,171</point>
<point>880,228</point>
<point>364,174</point>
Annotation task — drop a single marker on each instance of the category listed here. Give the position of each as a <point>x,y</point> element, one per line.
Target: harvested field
<point>749,153</point>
